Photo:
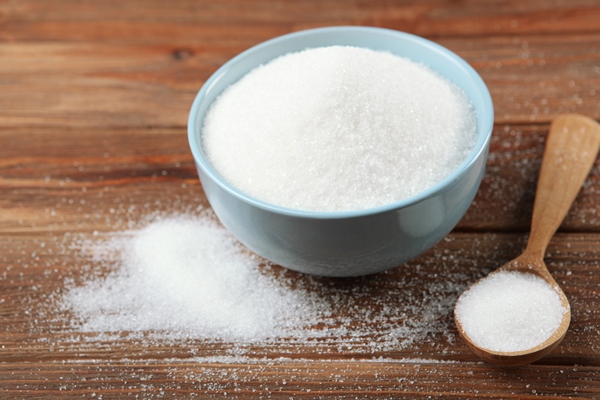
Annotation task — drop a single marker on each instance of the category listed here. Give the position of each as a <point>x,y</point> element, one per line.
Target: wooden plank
<point>41,354</point>
<point>280,379</point>
<point>506,195</point>
<point>79,85</point>
<point>532,79</point>
<point>98,179</point>
<point>93,179</point>
<point>37,266</point>
<point>253,21</point>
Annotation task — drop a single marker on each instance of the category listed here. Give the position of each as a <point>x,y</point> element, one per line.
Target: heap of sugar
<point>338,128</point>
<point>510,311</point>
<point>188,277</point>
<point>184,277</point>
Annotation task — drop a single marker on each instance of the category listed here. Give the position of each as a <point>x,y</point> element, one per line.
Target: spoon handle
<point>571,149</point>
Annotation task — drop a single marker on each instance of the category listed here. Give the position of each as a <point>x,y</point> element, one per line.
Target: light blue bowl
<point>355,242</point>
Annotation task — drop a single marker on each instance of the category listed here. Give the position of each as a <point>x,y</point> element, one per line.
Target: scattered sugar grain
<point>338,128</point>
<point>185,277</point>
<point>510,311</point>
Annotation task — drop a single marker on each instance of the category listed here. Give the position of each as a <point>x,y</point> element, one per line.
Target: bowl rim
<point>442,186</point>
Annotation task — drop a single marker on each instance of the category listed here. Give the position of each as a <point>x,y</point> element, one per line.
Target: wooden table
<point>94,97</point>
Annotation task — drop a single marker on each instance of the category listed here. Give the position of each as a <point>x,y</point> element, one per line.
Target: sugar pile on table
<point>510,311</point>
<point>187,277</point>
<point>184,277</point>
<point>338,128</point>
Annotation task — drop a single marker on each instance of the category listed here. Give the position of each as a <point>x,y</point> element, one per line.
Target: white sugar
<point>184,277</point>
<point>510,311</point>
<point>338,128</point>
<point>188,277</point>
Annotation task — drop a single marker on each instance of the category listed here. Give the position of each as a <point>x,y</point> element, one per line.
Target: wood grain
<point>129,85</point>
<point>191,21</point>
<point>278,380</point>
<point>71,179</point>
<point>94,98</point>
<point>27,331</point>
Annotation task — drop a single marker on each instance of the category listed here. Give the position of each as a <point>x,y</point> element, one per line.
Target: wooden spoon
<point>571,150</point>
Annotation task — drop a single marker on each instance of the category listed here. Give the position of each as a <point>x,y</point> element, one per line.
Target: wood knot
<point>182,54</point>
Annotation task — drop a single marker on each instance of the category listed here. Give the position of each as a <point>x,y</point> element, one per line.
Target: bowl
<point>348,243</point>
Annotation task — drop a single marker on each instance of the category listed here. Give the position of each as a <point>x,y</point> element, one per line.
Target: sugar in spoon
<point>571,149</point>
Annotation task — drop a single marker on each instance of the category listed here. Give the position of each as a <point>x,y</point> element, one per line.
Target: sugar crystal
<point>184,277</point>
<point>338,128</point>
<point>510,311</point>
<point>187,276</point>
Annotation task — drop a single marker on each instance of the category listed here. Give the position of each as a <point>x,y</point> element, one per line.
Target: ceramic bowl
<point>349,243</point>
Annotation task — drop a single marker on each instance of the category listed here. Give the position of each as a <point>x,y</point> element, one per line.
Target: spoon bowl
<point>530,265</point>
<point>571,150</point>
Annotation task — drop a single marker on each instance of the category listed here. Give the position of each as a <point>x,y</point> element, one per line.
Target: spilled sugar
<point>183,277</point>
<point>510,311</point>
<point>189,278</point>
<point>340,128</point>
<point>389,316</point>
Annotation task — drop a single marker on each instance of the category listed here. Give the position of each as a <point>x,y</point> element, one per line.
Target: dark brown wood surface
<point>94,97</point>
